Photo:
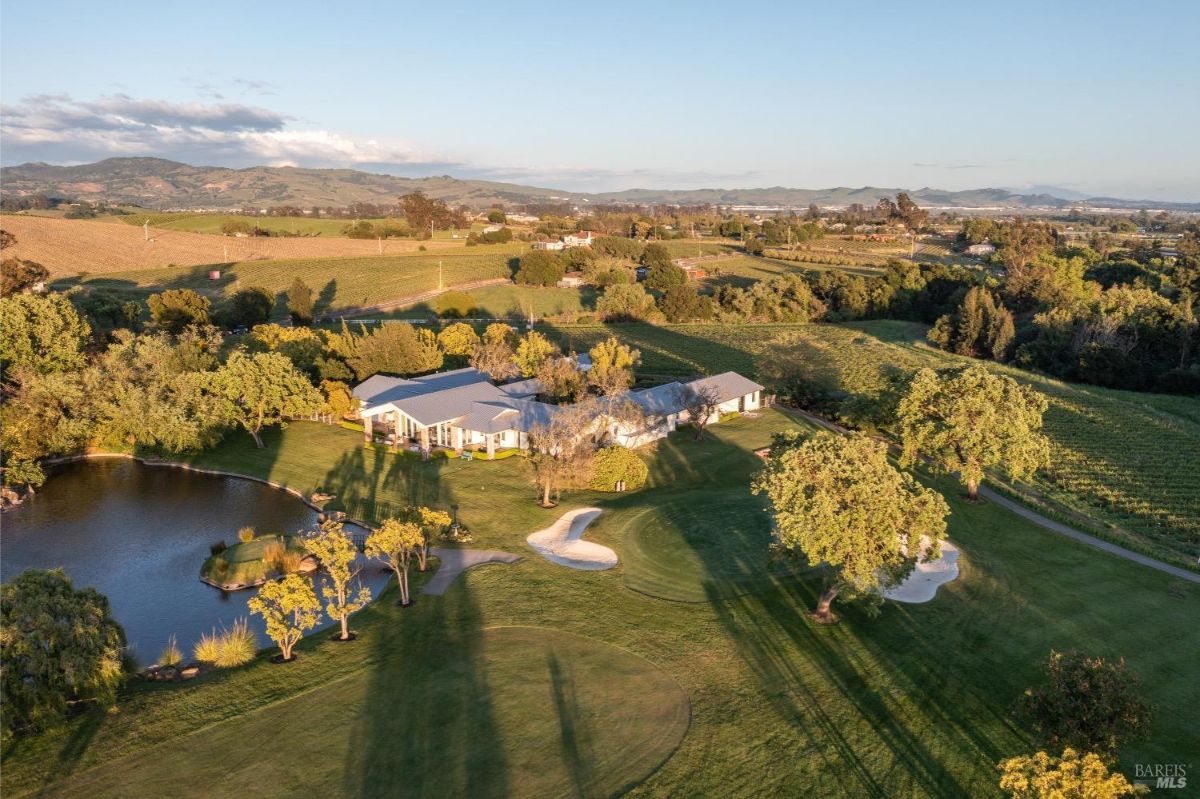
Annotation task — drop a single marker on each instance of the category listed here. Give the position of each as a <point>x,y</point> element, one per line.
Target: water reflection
<point>138,534</point>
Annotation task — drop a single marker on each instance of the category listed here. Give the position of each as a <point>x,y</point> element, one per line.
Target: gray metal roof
<point>447,404</point>
<point>661,400</point>
<point>522,389</point>
<point>508,414</point>
<point>384,390</point>
<point>375,385</point>
<point>728,385</point>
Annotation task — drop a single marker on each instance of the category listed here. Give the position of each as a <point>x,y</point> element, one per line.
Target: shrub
<point>618,247</point>
<point>540,268</point>
<point>616,464</point>
<point>217,548</point>
<point>246,534</point>
<point>455,305</point>
<point>237,646</point>
<point>171,656</point>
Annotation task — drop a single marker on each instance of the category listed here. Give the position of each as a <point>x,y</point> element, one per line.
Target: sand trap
<point>560,543</point>
<point>456,561</point>
<point>927,577</point>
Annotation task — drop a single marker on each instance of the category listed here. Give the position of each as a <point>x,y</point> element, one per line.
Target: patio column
<point>458,439</point>
<point>425,443</point>
<point>367,429</point>
<point>491,446</point>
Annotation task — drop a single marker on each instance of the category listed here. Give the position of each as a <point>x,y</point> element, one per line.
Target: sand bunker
<point>560,543</point>
<point>927,577</point>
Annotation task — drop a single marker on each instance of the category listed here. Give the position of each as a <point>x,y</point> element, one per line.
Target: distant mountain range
<point>162,184</point>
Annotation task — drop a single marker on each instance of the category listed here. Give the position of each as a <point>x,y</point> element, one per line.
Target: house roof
<point>522,389</point>
<point>661,400</point>
<point>509,414</point>
<point>428,399</point>
<point>728,385</point>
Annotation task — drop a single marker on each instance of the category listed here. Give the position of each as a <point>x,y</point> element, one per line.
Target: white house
<point>981,250</point>
<point>549,245</point>
<point>583,239</point>
<point>463,409</point>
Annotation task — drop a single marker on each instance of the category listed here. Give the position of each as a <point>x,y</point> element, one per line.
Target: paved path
<point>456,561</point>
<point>1028,513</point>
<point>560,542</point>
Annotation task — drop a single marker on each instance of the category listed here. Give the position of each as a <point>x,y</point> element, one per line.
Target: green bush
<point>540,268</point>
<point>501,454</point>
<point>455,305</point>
<point>615,464</point>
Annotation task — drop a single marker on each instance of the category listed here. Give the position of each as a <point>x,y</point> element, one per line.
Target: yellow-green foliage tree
<point>970,420</point>
<point>458,340</point>
<point>532,351</point>
<point>431,523</point>
<point>395,543</point>
<point>612,366</point>
<point>1072,776</point>
<point>336,552</point>
<point>290,608</point>
<point>836,500</point>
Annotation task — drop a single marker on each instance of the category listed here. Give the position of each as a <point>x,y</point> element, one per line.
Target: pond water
<point>139,534</point>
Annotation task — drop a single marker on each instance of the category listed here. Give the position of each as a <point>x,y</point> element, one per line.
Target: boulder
<point>189,672</point>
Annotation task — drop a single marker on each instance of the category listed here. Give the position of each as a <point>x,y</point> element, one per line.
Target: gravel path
<point>1049,524</point>
<point>456,561</point>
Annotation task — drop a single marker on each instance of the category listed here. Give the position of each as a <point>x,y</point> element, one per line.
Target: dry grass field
<point>72,246</point>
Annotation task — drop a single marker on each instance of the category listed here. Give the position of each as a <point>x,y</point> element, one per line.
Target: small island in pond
<point>255,560</point>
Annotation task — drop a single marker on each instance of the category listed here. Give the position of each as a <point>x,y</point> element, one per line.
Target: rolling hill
<point>162,184</point>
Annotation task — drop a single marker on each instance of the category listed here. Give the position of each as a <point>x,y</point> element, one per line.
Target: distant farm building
<point>981,250</point>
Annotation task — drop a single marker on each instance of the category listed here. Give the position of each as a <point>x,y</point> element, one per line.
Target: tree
<point>836,500</point>
<point>540,268</point>
<point>561,380</point>
<point>300,302</point>
<point>431,523</point>
<point>562,450</point>
<point>625,302</point>
<point>289,608</point>
<point>702,403</point>
<point>337,552</point>
<point>175,309</point>
<point>26,475</point>
<point>612,366</point>
<point>395,348</point>
<point>395,542</point>
<point>264,389</point>
<point>458,340</point>
<point>981,327</point>
<point>970,420</point>
<point>682,303</point>
<point>17,275</point>
<point>45,334</point>
<point>1072,776</point>
<point>339,400</point>
<point>426,215</point>
<point>662,278</point>
<point>615,466</point>
<point>495,359</point>
<point>656,255</point>
<point>1090,703</point>
<point>249,307</point>
<point>58,645</point>
<point>499,333</point>
<point>532,352</point>
<point>497,216</point>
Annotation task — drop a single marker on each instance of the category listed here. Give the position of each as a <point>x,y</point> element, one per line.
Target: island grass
<point>245,563</point>
<point>918,701</point>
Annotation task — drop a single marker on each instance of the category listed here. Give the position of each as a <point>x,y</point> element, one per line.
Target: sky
<point>1100,98</point>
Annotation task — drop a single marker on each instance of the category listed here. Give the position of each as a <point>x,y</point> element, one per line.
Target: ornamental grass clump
<point>208,648</point>
<point>246,535</point>
<point>171,656</point>
<point>236,646</point>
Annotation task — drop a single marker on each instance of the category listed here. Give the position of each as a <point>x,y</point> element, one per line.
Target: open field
<point>338,283</point>
<point>294,225</point>
<point>1124,458</point>
<point>459,696</point>
<point>510,301</point>
<point>92,246</point>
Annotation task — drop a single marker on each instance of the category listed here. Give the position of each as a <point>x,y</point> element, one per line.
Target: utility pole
<point>146,230</point>
<point>380,239</point>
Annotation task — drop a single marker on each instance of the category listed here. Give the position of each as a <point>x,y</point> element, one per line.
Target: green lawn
<point>436,700</point>
<point>1123,457</point>
<point>336,282</point>
<point>510,301</point>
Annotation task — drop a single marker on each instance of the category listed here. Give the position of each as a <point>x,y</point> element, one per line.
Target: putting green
<point>511,711</point>
<point>695,547</point>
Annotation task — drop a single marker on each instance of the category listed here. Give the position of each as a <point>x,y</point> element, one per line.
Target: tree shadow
<point>576,743</point>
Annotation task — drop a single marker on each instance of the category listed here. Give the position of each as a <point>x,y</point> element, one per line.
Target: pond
<point>138,534</point>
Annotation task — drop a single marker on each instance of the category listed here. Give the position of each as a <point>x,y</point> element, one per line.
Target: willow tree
<point>837,501</point>
<point>395,543</point>
<point>337,552</point>
<point>289,608</point>
<point>970,420</point>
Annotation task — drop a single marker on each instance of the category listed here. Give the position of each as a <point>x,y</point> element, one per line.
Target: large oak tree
<point>838,501</point>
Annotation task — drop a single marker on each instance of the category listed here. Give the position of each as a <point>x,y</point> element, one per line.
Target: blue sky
<point>1098,97</point>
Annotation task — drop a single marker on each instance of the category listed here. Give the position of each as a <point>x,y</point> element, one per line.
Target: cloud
<point>61,129</point>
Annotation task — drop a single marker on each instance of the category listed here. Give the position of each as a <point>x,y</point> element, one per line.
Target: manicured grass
<point>336,282</point>
<point>916,702</point>
<point>1123,457</point>
<point>532,712</point>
